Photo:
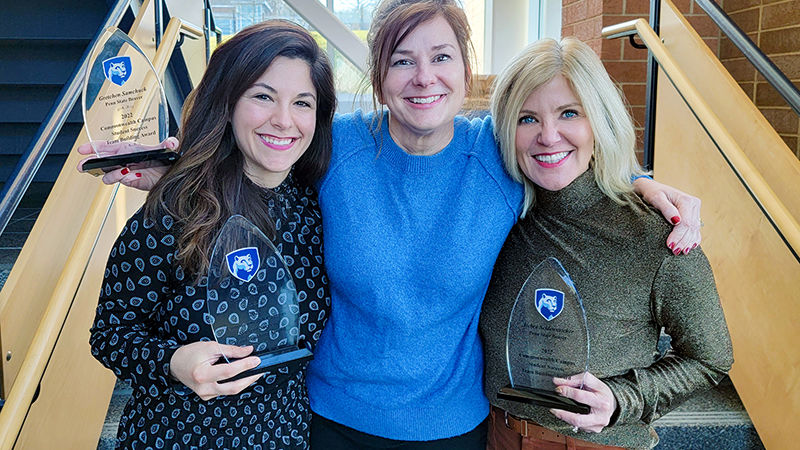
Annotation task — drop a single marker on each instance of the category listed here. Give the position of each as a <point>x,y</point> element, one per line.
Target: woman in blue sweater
<point>416,205</point>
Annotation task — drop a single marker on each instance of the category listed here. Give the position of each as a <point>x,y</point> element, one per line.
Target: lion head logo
<point>549,303</point>
<point>243,263</point>
<point>117,69</point>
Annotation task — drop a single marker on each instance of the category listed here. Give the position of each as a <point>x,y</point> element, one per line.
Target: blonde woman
<point>565,133</point>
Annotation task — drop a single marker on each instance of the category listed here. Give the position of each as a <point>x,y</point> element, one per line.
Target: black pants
<point>329,435</point>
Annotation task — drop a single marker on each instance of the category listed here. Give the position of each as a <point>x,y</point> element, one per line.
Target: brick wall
<point>585,19</point>
<point>775,27</point>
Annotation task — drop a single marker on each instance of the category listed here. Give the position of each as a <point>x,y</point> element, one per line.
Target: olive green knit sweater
<point>631,286</point>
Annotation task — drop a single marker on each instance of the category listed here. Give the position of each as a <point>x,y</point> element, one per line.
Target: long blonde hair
<point>614,160</point>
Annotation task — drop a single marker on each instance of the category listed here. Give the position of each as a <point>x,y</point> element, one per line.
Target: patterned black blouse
<point>149,307</point>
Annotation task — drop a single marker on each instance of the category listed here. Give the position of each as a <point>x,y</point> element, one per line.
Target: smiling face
<point>554,139</point>
<point>424,87</point>
<point>274,120</point>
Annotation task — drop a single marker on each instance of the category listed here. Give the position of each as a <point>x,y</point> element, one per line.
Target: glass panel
<point>233,15</point>
<point>352,89</point>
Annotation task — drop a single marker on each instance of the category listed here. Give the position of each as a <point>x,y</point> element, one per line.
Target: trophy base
<point>541,397</point>
<point>134,161</point>
<point>271,360</point>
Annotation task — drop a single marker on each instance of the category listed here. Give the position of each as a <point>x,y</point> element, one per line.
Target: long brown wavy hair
<point>208,183</point>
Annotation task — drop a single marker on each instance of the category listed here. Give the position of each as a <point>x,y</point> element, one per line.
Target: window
<point>353,92</point>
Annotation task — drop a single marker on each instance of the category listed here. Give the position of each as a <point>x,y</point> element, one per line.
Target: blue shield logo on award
<point>549,303</point>
<point>117,69</point>
<point>243,263</point>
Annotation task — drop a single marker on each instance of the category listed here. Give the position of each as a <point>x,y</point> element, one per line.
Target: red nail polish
<point>677,251</point>
<point>125,171</point>
<point>138,175</point>
<point>672,246</point>
<point>686,251</point>
<point>693,246</point>
<point>675,220</point>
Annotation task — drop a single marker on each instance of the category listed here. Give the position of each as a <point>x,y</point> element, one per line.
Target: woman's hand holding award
<point>547,337</point>
<point>252,298</point>
<point>124,102</point>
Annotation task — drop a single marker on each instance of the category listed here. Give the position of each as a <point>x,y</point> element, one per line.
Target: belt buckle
<point>523,429</point>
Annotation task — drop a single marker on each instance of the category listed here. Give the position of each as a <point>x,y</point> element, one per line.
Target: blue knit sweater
<point>410,242</point>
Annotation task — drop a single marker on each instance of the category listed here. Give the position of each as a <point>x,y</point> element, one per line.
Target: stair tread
<point>83,17</point>
<point>31,104</point>
<point>16,138</point>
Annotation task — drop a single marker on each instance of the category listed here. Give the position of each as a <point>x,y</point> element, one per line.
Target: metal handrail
<point>36,358</point>
<point>32,159</point>
<point>762,63</point>
<point>782,220</point>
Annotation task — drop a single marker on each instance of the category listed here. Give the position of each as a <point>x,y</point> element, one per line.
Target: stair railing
<point>749,49</point>
<point>762,63</point>
<point>775,211</point>
<point>32,159</point>
<point>24,390</point>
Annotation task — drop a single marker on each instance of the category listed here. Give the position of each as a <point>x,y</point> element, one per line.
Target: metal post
<point>652,88</point>
<point>159,21</point>
<point>207,27</point>
<point>330,49</point>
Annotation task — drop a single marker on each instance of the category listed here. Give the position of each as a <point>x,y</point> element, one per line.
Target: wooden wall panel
<point>762,144</point>
<point>757,276</point>
<point>76,389</point>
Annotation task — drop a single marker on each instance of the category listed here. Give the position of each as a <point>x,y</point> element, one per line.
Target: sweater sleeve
<point>684,301</point>
<point>126,336</point>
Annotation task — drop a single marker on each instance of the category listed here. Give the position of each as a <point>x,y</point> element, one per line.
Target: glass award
<point>251,298</point>
<point>547,337</point>
<point>124,101</point>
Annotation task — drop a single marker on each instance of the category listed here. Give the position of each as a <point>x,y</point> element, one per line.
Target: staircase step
<point>49,18</point>
<point>20,225</point>
<point>22,221</point>
<point>7,259</point>
<point>122,392</point>
<point>32,103</point>
<point>714,419</point>
<point>45,61</point>
<point>13,238</point>
<point>16,137</point>
<point>47,173</point>
<point>733,437</point>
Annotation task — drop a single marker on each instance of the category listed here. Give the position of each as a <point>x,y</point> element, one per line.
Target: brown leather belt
<point>533,430</point>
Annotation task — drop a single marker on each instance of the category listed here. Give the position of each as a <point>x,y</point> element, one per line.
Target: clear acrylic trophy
<point>547,337</point>
<point>251,298</point>
<point>124,101</point>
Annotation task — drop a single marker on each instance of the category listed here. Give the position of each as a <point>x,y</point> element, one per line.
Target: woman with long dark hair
<point>256,136</point>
